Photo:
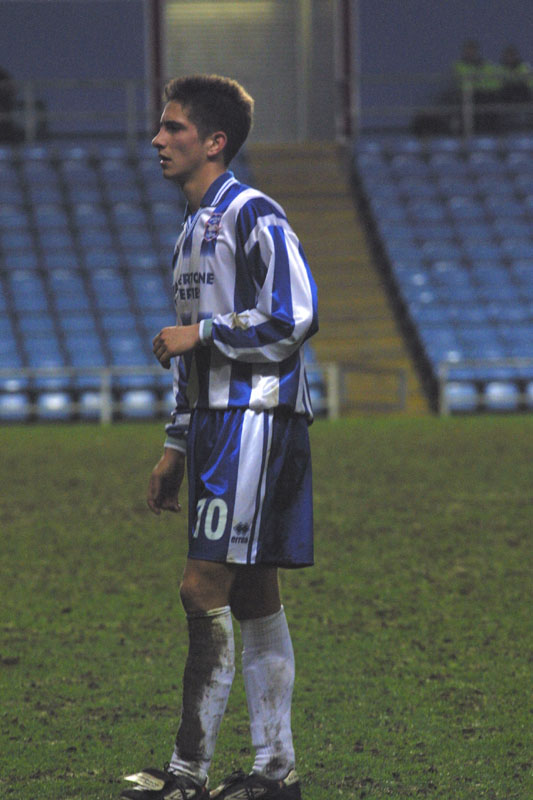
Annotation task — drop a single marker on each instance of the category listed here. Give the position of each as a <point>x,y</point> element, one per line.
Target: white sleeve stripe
<point>262,223</point>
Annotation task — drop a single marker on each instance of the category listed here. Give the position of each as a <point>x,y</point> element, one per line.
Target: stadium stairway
<point>357,324</point>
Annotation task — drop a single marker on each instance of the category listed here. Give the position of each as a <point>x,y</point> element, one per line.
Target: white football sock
<point>207,681</point>
<point>268,671</point>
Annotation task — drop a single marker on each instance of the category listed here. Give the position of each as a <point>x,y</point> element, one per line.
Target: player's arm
<point>285,309</point>
<point>165,481</point>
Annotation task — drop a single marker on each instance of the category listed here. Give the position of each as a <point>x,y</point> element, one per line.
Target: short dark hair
<point>214,103</point>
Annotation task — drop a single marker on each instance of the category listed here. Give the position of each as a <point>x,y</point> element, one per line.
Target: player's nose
<point>156,141</point>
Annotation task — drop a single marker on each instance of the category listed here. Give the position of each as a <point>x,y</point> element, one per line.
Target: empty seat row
<point>454,222</point>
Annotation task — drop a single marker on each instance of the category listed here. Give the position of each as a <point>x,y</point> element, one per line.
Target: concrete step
<point>357,324</point>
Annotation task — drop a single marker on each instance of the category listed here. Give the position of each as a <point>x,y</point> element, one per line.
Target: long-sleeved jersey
<point>240,271</point>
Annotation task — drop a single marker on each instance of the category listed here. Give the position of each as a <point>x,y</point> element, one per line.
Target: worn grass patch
<point>412,633</point>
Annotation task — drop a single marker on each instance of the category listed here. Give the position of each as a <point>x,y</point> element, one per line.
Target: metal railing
<point>120,107</point>
<point>69,385</point>
<point>437,96</point>
<point>391,395</point>
<point>481,372</point>
<point>114,107</point>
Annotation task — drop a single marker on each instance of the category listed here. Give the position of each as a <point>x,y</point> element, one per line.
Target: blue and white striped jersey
<point>240,271</point>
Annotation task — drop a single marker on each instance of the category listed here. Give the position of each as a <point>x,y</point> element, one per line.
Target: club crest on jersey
<point>212,227</point>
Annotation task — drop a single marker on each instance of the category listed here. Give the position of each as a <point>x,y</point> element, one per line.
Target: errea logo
<point>242,533</point>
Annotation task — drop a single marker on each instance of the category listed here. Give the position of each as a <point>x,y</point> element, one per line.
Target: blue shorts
<point>250,493</point>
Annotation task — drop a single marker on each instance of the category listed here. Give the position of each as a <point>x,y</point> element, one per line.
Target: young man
<point>245,303</point>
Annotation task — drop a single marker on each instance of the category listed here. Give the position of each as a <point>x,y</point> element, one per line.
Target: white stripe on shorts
<point>251,486</point>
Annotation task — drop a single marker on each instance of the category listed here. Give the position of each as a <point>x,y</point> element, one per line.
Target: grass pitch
<point>413,632</point>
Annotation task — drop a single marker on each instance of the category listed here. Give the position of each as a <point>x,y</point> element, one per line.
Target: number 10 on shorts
<point>211,517</point>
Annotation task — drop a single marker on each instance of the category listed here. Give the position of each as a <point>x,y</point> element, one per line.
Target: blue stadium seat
<point>119,193</point>
<point>485,163</point>
<point>89,215</point>
<point>38,325</point>
<point>461,396</point>
<point>494,185</point>
<point>20,260</point>
<point>478,229</point>
<point>87,194</point>
<point>151,291</point>
<point>117,172</point>
<point>154,321</point>
<point>426,210</point>
<point>444,144</point>
<point>68,291</point>
<point>502,206</point>
<point>66,260</point>
<point>27,291</point>
<point>456,185</point>
<point>465,208</point>
<point>447,164</point>
<point>74,323</point>
<point>50,215</point>
<point>14,407</point>
<point>109,290</point>
<point>10,194</point>
<point>441,251</point>
<point>90,405</point>
<point>501,396</point>
<point>519,142</point>
<point>127,348</point>
<point>13,217</point>
<point>144,260</point>
<point>132,238</point>
<point>518,163</point>
<point>442,230</point>
<point>128,214</point>
<point>523,183</point>
<point>98,258</point>
<point>53,406</point>
<point>482,144</point>
<point>383,210</point>
<point>78,175</point>
<point>95,238</point>
<point>408,164</point>
<point>85,351</point>
<point>138,404</point>
<point>45,193</point>
<point>54,240</point>
<point>515,249</point>
<point>479,250</point>
<point>165,213</point>
<point>512,228</point>
<point>16,241</point>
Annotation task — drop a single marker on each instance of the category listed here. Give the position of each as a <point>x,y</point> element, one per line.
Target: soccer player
<point>245,303</point>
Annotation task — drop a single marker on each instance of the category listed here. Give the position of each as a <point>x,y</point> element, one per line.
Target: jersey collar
<point>211,197</point>
<point>215,192</point>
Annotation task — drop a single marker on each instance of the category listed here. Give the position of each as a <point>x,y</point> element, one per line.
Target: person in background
<point>516,78</point>
<point>479,77</point>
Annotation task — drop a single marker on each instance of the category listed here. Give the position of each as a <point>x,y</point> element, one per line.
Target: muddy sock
<point>268,669</point>
<point>207,680</point>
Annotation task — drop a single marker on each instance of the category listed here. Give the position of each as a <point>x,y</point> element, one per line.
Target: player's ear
<point>216,143</point>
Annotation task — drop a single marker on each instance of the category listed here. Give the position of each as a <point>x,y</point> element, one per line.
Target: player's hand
<point>165,482</point>
<point>174,341</point>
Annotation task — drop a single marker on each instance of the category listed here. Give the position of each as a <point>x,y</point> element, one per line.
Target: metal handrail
<point>135,115</point>
<point>334,373</point>
<point>445,367</point>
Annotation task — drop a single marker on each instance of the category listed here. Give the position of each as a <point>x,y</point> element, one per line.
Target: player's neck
<point>197,185</point>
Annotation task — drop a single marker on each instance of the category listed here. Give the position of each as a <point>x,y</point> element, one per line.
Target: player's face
<point>182,153</point>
